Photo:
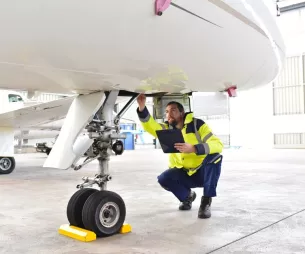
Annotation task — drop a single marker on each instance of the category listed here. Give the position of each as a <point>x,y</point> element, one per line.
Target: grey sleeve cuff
<point>202,149</point>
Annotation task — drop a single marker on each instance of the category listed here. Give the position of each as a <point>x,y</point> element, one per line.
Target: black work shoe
<point>187,204</point>
<point>205,208</point>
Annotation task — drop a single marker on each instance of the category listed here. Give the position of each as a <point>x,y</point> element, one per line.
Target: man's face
<point>173,115</point>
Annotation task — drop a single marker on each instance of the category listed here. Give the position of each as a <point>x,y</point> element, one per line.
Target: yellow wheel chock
<point>86,235</point>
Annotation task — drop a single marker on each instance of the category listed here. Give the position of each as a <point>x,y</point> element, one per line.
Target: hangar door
<point>289,104</point>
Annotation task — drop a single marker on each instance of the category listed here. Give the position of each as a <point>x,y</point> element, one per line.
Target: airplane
<point>13,100</point>
<point>101,51</point>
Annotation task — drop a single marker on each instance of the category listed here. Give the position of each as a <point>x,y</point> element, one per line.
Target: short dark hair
<point>179,105</point>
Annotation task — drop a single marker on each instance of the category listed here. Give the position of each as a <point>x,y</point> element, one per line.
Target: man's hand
<point>185,148</point>
<point>141,101</point>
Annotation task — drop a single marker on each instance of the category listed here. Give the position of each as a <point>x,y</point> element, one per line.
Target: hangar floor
<point>260,206</point>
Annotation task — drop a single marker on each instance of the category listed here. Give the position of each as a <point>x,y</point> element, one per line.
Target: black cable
<point>185,10</point>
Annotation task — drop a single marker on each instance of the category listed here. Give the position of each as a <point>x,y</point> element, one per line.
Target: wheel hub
<point>109,214</point>
<point>5,164</point>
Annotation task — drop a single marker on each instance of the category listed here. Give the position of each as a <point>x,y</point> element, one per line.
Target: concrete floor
<point>256,190</point>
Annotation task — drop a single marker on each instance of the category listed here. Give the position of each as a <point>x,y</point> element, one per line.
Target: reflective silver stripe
<point>198,137</point>
<point>144,120</point>
<point>206,148</point>
<point>163,126</point>
<point>207,137</point>
<point>196,131</point>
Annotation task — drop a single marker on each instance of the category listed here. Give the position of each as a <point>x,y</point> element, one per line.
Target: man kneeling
<point>199,162</point>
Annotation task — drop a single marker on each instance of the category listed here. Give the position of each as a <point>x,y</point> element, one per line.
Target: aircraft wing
<point>41,116</point>
<point>35,115</point>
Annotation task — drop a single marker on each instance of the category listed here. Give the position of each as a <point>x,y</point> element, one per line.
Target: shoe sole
<point>204,217</point>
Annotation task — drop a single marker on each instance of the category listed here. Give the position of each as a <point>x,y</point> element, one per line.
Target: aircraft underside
<point>83,47</point>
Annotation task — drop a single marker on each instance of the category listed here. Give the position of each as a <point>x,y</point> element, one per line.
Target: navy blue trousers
<point>177,181</point>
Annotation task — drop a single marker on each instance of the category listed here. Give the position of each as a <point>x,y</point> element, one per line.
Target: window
<point>289,139</point>
<point>14,98</point>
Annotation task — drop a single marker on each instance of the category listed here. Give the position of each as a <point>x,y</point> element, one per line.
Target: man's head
<point>174,113</point>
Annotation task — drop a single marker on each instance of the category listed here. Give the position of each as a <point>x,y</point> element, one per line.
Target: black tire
<point>112,204</point>
<point>7,165</point>
<point>75,206</point>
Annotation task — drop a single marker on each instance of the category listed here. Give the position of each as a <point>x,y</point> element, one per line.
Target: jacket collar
<point>188,117</point>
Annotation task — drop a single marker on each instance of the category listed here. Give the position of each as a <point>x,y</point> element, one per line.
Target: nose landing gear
<point>101,211</point>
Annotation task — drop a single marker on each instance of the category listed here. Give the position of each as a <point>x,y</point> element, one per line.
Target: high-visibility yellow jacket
<point>189,161</point>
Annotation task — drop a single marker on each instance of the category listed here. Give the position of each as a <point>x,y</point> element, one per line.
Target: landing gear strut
<point>100,211</point>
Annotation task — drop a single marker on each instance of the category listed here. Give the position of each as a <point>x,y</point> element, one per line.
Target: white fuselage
<point>83,46</point>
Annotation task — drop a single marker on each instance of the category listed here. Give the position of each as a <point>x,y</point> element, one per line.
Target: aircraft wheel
<point>76,204</point>
<point>104,213</point>
<point>7,165</point>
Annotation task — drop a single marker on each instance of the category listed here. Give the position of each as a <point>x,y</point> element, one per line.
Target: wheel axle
<point>99,180</point>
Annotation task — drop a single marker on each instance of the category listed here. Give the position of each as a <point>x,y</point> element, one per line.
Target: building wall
<point>272,116</point>
<point>289,105</point>
<point>251,118</point>
<point>292,26</point>
<point>213,109</point>
<point>288,88</point>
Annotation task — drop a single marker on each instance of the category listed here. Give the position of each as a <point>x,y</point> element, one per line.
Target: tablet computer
<point>168,139</point>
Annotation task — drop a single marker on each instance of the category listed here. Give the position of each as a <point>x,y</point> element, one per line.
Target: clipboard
<point>168,139</point>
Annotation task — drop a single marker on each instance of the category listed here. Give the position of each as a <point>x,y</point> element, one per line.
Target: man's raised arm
<point>148,122</point>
